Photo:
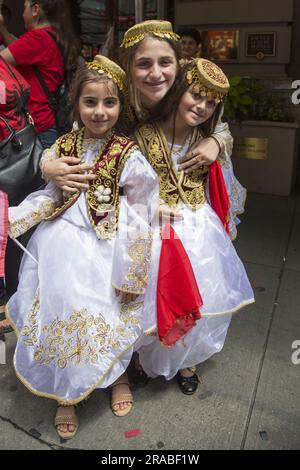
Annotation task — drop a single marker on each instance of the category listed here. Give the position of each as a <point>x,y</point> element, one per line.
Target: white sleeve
<point>236,192</point>
<point>139,203</point>
<point>35,208</point>
<point>223,136</point>
<point>48,155</point>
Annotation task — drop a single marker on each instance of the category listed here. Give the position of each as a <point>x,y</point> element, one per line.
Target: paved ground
<point>250,395</point>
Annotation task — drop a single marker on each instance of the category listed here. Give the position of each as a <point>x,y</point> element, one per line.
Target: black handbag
<point>20,155</point>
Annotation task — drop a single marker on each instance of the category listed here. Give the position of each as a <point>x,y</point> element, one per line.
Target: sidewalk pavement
<point>250,396</point>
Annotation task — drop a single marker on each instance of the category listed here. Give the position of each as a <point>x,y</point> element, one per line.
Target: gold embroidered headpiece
<point>104,65</point>
<point>208,80</point>
<point>159,28</point>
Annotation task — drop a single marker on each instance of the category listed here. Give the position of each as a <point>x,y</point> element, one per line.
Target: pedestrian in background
<point>48,33</point>
<point>190,43</point>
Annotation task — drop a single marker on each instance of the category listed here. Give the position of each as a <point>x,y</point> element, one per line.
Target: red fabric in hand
<point>178,296</point>
<point>219,199</point>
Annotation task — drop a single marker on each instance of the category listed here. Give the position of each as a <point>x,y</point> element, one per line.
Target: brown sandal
<point>117,399</point>
<point>65,414</point>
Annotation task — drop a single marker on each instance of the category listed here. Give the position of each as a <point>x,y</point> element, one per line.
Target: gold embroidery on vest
<point>66,145</point>
<point>174,186</point>
<point>103,195</point>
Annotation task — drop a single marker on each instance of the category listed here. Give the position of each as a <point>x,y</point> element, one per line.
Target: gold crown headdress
<point>104,65</point>
<point>208,80</point>
<point>159,28</point>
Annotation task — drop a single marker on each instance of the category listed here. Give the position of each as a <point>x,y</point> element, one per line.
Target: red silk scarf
<point>219,199</point>
<point>178,296</point>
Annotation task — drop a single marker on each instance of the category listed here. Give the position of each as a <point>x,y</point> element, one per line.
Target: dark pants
<point>48,137</point>
<point>3,295</point>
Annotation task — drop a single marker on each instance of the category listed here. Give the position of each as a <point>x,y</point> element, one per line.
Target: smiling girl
<point>76,312</point>
<point>200,219</point>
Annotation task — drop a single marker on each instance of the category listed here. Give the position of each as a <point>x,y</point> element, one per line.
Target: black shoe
<point>4,329</point>
<point>139,378</point>
<point>188,385</point>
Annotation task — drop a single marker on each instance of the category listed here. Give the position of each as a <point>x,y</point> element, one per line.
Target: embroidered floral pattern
<point>140,254</point>
<point>81,339</point>
<point>103,194</point>
<point>20,226</point>
<point>173,185</point>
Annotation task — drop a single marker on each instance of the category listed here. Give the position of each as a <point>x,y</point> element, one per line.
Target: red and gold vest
<point>103,195</point>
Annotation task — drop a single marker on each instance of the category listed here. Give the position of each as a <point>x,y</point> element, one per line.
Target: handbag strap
<point>58,43</point>
<point>51,97</point>
<point>8,126</point>
<point>11,138</point>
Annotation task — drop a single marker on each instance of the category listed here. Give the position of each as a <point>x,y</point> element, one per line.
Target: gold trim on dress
<point>20,226</point>
<point>126,316</point>
<point>137,275</point>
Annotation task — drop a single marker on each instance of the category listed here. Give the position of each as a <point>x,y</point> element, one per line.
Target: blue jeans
<point>48,137</point>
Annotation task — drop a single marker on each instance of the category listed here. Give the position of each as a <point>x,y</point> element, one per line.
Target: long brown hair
<point>169,104</point>
<point>83,76</point>
<point>126,57</point>
<point>57,13</point>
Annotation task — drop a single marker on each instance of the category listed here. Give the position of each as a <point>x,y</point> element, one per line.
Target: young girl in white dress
<point>188,113</point>
<point>77,311</point>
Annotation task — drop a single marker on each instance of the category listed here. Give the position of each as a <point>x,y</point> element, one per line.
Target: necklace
<point>80,139</point>
<point>186,141</point>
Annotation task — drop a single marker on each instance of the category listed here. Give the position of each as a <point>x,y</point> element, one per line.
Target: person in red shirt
<point>37,48</point>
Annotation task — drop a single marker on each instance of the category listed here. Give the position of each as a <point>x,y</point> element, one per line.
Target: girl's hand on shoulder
<point>67,174</point>
<point>125,297</point>
<point>201,153</point>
